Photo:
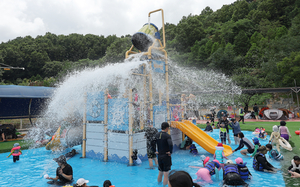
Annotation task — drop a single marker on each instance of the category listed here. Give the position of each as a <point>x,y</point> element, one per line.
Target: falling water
<point>67,103</point>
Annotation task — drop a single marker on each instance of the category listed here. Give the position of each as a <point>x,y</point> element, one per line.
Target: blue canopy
<point>23,101</point>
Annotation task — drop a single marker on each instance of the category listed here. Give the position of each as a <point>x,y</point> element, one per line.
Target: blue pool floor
<point>35,163</point>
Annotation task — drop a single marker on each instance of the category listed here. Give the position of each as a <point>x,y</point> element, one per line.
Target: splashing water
<point>67,103</point>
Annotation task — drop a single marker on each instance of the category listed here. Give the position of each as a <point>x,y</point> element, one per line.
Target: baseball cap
<point>82,181</point>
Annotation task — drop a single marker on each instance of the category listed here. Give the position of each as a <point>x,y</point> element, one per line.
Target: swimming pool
<point>35,163</point>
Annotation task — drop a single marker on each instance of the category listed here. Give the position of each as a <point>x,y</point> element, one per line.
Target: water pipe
<point>84,128</point>
<point>150,94</point>
<point>105,126</point>
<point>163,25</point>
<point>145,88</point>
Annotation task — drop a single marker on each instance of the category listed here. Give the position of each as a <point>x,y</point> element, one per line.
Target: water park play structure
<point>113,128</point>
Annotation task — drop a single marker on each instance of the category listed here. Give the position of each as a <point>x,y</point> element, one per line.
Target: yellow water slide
<point>199,136</point>
<point>55,143</point>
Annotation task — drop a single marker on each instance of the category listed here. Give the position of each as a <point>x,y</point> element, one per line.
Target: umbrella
<point>219,113</point>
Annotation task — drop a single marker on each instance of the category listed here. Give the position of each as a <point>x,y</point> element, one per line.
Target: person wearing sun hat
<point>219,154</point>
<point>260,162</point>
<point>64,173</point>
<point>181,179</point>
<point>81,183</point>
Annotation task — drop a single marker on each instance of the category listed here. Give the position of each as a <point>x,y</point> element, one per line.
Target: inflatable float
<point>297,132</point>
<point>285,144</point>
<point>55,143</point>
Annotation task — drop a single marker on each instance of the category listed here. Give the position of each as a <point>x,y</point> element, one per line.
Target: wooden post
<point>167,89</point>
<point>144,106</point>
<point>130,125</point>
<point>84,128</point>
<point>105,126</point>
<point>150,95</point>
<point>159,97</point>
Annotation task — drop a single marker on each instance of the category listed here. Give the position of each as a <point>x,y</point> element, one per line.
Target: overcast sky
<point>99,17</point>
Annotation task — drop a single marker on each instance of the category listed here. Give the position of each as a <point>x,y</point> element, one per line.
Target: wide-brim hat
<point>60,159</point>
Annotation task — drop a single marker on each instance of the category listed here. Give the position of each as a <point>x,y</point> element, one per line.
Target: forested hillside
<point>257,43</point>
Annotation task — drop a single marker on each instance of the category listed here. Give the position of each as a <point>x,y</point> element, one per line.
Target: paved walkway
<point>254,120</point>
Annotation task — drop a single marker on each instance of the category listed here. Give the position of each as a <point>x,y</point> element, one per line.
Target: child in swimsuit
<point>16,152</point>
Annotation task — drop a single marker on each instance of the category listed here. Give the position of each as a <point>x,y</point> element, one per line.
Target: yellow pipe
<point>139,74</point>
<point>163,23</point>
<point>150,95</point>
<point>105,126</point>
<point>84,128</point>
<point>130,125</point>
<point>129,51</point>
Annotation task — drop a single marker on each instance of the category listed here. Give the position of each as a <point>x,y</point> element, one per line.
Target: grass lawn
<point>7,146</point>
<point>288,155</point>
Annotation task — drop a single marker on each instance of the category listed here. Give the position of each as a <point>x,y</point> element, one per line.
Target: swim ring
<point>297,132</point>
<point>17,153</point>
<point>285,144</point>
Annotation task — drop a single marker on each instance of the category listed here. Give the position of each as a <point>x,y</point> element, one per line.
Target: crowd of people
<point>160,148</point>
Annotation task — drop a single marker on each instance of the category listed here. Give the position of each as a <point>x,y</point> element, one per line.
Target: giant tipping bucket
<point>145,37</point>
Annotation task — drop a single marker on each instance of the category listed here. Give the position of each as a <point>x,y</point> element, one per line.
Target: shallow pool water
<point>35,163</point>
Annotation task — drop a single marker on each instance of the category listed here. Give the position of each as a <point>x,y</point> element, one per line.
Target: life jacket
<point>16,151</point>
<point>219,156</point>
<point>230,168</point>
<point>294,165</point>
<point>241,112</point>
<point>211,167</point>
<point>256,165</point>
<point>278,156</point>
<point>243,171</point>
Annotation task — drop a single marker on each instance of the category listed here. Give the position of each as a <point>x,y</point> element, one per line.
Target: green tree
<point>290,68</point>
<point>295,28</point>
<point>241,9</point>
<point>241,43</point>
<point>116,51</point>
<point>256,38</point>
<point>189,30</point>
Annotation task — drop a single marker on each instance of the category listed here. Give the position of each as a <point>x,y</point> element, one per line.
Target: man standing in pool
<point>165,148</point>
<point>150,135</point>
<point>64,173</point>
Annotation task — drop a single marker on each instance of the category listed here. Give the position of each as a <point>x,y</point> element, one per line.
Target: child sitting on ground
<point>256,145</point>
<point>223,133</point>
<point>15,152</point>
<point>262,133</point>
<point>243,169</point>
<point>273,153</point>
<point>295,167</point>
<point>208,128</point>
<point>136,160</point>
<point>219,154</point>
